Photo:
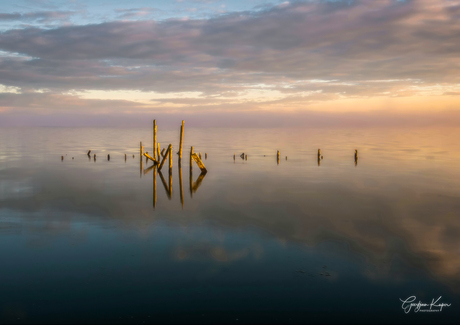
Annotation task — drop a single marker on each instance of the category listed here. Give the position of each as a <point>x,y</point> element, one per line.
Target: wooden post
<point>356,157</point>
<point>278,157</point>
<point>126,156</point>
<point>191,158</point>
<point>94,157</point>
<point>199,163</point>
<point>89,153</point>
<point>162,152</point>
<point>155,139</point>
<point>286,157</point>
<point>205,155</point>
<point>158,152</point>
<point>319,153</point>
<point>164,158</point>
<point>108,157</point>
<point>234,156</point>
<point>181,139</point>
<point>200,155</point>
<point>141,149</point>
<point>170,160</point>
<point>62,158</point>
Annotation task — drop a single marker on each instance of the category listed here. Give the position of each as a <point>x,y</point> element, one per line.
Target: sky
<point>229,63</point>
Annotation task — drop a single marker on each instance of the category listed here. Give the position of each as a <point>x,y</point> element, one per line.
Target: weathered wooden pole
<point>278,157</point>
<point>94,157</point>
<point>164,158</point>
<point>62,158</point>
<point>319,153</point>
<point>356,157</point>
<point>158,152</point>
<point>205,155</point>
<point>199,155</point>
<point>89,153</point>
<point>163,152</point>
<point>191,158</point>
<point>234,156</point>
<point>126,156</point>
<point>181,139</point>
<point>108,157</point>
<point>155,139</point>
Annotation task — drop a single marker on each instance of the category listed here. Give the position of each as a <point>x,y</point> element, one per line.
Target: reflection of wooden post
<point>164,158</point>
<point>170,159</point>
<point>180,187</point>
<point>170,179</point>
<point>155,139</point>
<point>154,186</point>
<point>191,178</point>
<point>181,140</point>
<point>198,181</point>
<point>191,159</point>
<point>164,183</point>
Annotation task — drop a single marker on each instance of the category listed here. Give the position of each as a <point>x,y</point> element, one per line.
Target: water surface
<point>256,240</point>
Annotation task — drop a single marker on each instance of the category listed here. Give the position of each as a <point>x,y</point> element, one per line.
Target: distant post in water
<point>181,139</point>
<point>278,157</point>
<point>319,153</point>
<point>356,157</point>
<point>155,140</point>
<point>141,148</point>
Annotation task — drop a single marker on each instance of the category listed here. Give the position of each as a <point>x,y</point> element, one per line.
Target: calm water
<point>251,241</point>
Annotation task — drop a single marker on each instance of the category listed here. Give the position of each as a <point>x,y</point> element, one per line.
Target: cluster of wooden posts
<point>159,158</point>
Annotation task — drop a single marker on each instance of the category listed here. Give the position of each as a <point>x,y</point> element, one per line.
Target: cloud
<point>42,16</point>
<point>301,52</point>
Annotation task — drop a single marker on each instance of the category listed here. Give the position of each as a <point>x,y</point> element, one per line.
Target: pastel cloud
<point>294,54</point>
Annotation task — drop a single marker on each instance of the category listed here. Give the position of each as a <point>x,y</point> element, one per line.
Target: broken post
<point>162,152</point>
<point>151,158</point>
<point>164,158</point>
<point>199,162</point>
<point>158,152</point>
<point>89,153</point>
<point>191,158</point>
